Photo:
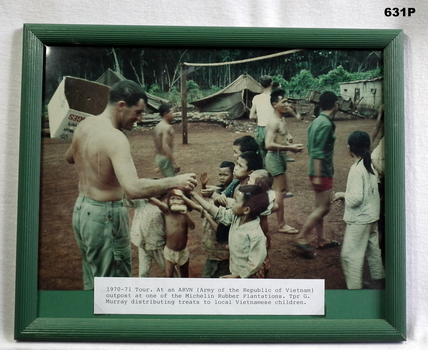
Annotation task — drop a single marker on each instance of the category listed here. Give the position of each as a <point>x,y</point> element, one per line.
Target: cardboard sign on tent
<point>235,99</point>
<point>74,100</point>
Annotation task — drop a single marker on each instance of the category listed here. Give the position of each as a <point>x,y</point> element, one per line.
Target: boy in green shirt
<point>320,146</point>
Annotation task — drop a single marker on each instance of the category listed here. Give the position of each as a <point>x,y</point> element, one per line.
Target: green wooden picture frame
<point>351,316</point>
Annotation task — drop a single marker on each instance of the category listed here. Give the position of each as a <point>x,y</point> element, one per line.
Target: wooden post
<point>184,101</point>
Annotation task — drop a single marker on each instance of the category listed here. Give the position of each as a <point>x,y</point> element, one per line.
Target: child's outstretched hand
<point>209,190</point>
<point>180,193</point>
<point>204,179</point>
<point>221,200</point>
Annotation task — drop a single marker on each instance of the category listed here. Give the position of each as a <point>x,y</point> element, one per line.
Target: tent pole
<point>184,102</point>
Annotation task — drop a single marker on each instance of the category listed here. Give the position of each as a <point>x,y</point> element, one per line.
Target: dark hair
<point>128,91</point>
<point>276,94</point>
<point>255,198</point>
<point>227,164</point>
<point>246,143</point>
<point>264,179</point>
<point>275,85</point>
<point>359,144</point>
<point>317,110</point>
<point>254,161</point>
<point>164,109</point>
<point>265,81</point>
<point>327,100</point>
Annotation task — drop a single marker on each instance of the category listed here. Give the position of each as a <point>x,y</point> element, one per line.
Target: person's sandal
<point>332,244</point>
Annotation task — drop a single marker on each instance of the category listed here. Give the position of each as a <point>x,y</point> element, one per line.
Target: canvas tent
<point>235,99</point>
<point>110,77</point>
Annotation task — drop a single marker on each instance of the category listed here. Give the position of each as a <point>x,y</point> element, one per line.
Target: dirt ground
<point>208,144</point>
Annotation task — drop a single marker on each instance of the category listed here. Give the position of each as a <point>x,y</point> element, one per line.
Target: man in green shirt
<point>320,146</point>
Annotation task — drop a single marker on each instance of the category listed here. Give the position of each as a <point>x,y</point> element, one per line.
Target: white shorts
<point>176,257</point>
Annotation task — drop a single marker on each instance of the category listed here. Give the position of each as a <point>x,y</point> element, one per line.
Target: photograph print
<point>212,163</point>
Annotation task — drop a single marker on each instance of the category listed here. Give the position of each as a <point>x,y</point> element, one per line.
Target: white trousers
<point>361,241</point>
<point>145,258</point>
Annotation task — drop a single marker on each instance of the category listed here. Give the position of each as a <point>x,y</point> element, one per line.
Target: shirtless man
<point>278,141</point>
<point>164,137</point>
<point>106,171</point>
<point>262,110</point>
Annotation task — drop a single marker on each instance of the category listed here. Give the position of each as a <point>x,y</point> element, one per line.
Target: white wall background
<point>245,13</point>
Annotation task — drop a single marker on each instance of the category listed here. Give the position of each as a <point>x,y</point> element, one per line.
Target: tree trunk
<point>184,101</point>
<point>117,66</point>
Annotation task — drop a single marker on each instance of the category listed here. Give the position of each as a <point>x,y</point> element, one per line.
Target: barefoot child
<point>177,225</point>
<point>361,215</point>
<point>217,253</point>
<point>247,242</point>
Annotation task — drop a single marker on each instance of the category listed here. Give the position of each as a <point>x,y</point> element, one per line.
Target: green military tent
<point>235,99</point>
<point>110,77</point>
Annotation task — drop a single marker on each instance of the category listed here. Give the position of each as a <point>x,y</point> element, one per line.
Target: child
<point>361,215</point>
<point>163,136</point>
<point>177,225</point>
<point>243,144</point>
<point>225,177</point>
<point>217,261</point>
<point>246,163</point>
<point>247,242</point>
<point>264,179</point>
<point>148,234</point>
<point>378,162</point>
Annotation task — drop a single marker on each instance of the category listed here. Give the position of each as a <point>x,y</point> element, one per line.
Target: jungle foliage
<point>158,69</point>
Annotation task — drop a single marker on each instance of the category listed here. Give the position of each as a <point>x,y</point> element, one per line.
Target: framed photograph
<point>54,308</point>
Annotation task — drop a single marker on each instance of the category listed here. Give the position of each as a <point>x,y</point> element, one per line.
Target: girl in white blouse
<point>361,215</point>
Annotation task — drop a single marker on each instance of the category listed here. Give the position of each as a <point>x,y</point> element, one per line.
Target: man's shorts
<point>165,165</point>
<point>276,163</point>
<point>260,136</point>
<point>326,184</point>
<point>176,257</point>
